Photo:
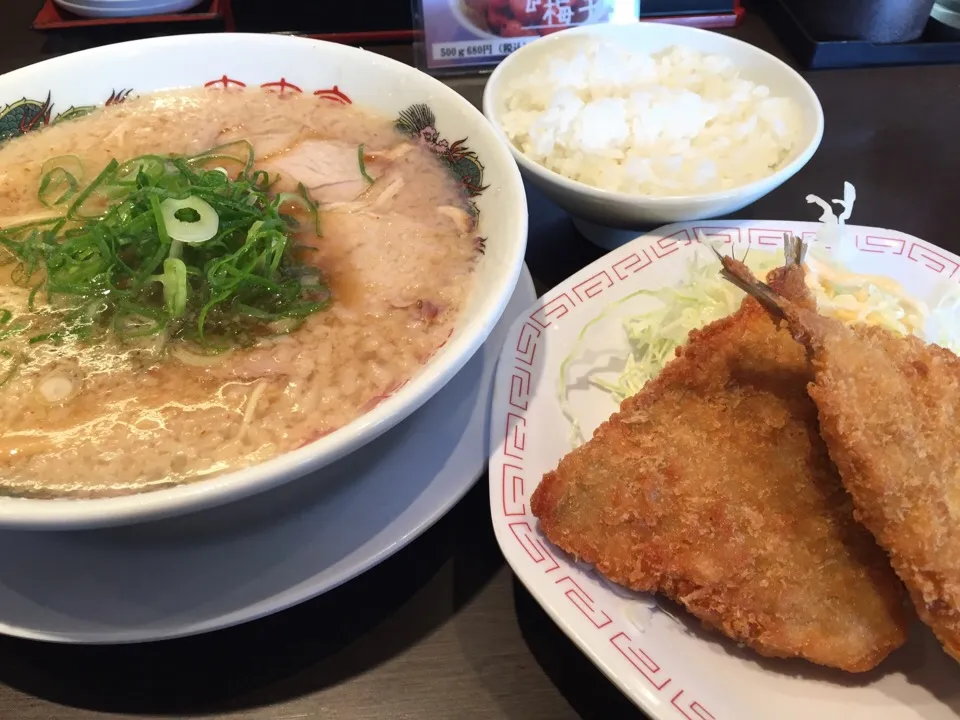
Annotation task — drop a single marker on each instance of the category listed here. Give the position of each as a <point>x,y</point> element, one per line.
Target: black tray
<point>673,8</point>
<point>939,44</point>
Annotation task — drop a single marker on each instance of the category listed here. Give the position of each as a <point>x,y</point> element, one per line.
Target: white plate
<point>670,668</point>
<point>242,561</point>
<point>132,9</point>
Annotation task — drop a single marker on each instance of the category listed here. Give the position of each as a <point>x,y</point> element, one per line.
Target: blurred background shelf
<point>207,16</point>
<point>362,23</point>
<point>795,24</point>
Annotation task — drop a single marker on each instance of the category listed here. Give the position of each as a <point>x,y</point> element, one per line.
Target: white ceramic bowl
<point>621,210</point>
<point>334,73</point>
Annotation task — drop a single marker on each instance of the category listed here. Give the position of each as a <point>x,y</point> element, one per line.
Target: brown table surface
<point>443,629</point>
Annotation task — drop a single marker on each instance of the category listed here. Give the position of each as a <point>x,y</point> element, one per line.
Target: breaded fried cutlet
<point>712,486</point>
<point>889,411</point>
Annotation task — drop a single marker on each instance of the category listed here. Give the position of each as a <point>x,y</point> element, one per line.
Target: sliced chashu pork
<point>400,260</point>
<point>329,169</point>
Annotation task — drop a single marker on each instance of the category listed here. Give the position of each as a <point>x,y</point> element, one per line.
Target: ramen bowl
<point>432,119</point>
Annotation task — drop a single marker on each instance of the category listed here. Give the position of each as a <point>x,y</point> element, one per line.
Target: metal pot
<point>880,21</point>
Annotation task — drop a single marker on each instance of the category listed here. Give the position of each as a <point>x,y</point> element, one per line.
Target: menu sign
<point>468,33</point>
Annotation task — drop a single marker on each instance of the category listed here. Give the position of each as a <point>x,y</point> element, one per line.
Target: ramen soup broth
<point>396,246</point>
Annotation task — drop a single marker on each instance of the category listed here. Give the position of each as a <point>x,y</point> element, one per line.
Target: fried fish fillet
<point>713,487</point>
<point>889,411</point>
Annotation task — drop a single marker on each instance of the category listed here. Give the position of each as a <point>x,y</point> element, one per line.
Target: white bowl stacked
<point>125,8</point>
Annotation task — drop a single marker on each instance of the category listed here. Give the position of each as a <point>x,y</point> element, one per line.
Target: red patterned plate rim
<point>585,609</point>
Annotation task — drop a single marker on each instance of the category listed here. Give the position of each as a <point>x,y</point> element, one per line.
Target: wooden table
<point>443,630</point>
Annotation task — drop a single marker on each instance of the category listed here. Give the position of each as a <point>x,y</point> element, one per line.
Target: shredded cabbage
<point>943,326</point>
<point>654,336</point>
<point>853,298</point>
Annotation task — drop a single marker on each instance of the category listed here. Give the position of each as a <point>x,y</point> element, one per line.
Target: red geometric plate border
<point>507,472</point>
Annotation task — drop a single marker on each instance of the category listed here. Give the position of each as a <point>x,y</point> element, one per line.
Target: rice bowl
<point>587,177</point>
<point>671,123</point>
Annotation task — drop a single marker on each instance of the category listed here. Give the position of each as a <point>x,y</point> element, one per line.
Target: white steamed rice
<point>675,122</point>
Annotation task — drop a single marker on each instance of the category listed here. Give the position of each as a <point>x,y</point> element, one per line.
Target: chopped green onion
<point>192,232</point>
<point>15,328</point>
<point>152,167</point>
<point>187,214</point>
<point>74,211</point>
<point>363,165</point>
<point>174,281</point>
<point>11,370</point>
<point>136,321</point>
<point>71,163</point>
<point>302,201</point>
<point>56,187</point>
<point>166,244</point>
<point>59,180</point>
<point>55,337</point>
<point>239,151</point>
